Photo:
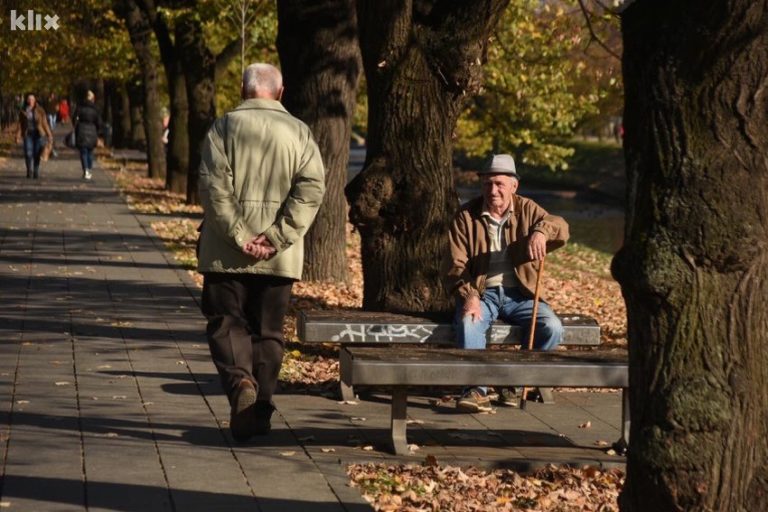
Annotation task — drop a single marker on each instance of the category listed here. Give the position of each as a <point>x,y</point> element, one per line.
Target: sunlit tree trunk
<point>320,61</point>
<point>421,59</point>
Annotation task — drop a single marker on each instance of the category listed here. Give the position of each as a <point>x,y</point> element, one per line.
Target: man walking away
<point>261,184</point>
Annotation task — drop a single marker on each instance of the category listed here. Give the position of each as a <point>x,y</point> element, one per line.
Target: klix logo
<point>33,21</point>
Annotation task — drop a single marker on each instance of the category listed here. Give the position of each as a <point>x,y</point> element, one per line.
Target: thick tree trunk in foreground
<point>694,267</point>
<point>320,61</point>
<point>422,59</point>
<point>199,66</point>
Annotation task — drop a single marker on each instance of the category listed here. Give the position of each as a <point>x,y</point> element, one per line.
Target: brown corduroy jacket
<point>465,267</point>
<point>41,121</point>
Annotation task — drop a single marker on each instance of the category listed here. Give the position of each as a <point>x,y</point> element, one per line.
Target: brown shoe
<point>473,401</point>
<point>263,417</point>
<point>242,422</point>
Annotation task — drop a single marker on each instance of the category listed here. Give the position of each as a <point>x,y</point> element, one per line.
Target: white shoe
<point>88,174</point>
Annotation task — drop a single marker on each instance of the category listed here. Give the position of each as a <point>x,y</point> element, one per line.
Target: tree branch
<point>593,35</point>
<point>226,55</point>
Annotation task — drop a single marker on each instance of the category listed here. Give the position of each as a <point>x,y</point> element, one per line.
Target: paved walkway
<point>109,401</point>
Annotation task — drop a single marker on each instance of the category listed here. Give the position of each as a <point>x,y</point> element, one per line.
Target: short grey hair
<point>262,78</point>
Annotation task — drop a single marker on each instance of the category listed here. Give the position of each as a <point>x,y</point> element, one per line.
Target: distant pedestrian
<point>261,183</point>
<point>52,109</point>
<point>88,125</point>
<point>64,111</point>
<point>35,133</point>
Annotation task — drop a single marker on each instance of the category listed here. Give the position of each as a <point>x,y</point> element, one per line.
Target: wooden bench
<point>422,366</point>
<point>355,327</point>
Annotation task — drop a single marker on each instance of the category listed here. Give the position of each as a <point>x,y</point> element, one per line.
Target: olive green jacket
<point>261,173</point>
<point>465,266</point>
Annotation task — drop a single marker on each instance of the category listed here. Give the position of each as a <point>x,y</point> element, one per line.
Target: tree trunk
<point>136,98</point>
<point>320,61</point>
<point>121,115</point>
<point>694,266</point>
<point>199,66</point>
<point>178,132</point>
<point>421,59</point>
<point>140,32</point>
<point>177,158</point>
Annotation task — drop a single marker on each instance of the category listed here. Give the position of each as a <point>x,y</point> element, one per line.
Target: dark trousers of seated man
<point>245,315</point>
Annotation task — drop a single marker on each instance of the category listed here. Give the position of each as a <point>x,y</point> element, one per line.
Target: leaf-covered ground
<point>432,487</point>
<point>577,280</point>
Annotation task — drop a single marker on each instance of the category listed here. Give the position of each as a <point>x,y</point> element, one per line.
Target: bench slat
<point>356,326</point>
<point>455,367</point>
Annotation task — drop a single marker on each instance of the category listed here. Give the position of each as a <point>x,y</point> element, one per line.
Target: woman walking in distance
<point>87,127</point>
<point>33,131</point>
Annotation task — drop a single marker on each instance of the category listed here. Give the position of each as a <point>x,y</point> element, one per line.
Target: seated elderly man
<point>496,241</point>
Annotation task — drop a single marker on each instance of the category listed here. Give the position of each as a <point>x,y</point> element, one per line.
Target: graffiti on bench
<point>379,333</point>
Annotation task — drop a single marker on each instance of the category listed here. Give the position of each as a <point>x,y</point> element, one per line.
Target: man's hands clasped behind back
<point>260,248</point>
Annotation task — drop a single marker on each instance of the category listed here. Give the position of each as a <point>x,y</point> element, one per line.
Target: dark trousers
<point>245,315</point>
<point>86,158</point>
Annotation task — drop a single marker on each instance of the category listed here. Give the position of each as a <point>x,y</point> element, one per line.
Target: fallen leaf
<point>587,424</point>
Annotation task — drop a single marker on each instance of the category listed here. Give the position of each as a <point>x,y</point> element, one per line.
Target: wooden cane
<point>536,294</point>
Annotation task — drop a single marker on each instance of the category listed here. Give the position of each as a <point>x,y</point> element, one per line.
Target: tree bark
<point>421,60</point>
<point>138,138</point>
<point>140,31</point>
<point>178,132</point>
<point>121,115</point>
<point>694,266</point>
<point>177,158</point>
<point>320,61</point>
<point>199,66</point>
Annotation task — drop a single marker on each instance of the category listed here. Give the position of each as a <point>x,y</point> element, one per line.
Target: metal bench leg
<point>546,395</point>
<point>622,445</point>
<point>399,420</point>
<point>347,391</point>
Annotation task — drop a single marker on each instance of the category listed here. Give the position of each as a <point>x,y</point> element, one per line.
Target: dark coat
<point>87,125</point>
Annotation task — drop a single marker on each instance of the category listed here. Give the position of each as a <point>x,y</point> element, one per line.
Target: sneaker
<point>242,422</point>
<point>87,174</point>
<point>263,411</point>
<point>474,400</point>
<point>508,397</point>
